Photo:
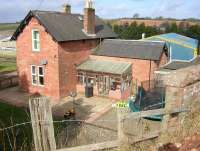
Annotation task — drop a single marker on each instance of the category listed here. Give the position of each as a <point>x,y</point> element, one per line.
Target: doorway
<point>103,85</point>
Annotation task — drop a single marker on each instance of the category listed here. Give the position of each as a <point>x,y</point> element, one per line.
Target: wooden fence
<point>8,81</point>
<point>43,129</point>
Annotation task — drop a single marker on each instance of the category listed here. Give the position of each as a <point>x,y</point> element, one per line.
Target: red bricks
<point>60,76</point>
<point>60,73</point>
<point>89,20</point>
<point>140,68</point>
<point>70,55</point>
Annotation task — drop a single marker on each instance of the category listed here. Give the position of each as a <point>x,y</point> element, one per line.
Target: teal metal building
<point>180,47</point>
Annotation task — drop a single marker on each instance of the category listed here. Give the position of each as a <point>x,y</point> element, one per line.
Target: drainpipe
<point>150,75</point>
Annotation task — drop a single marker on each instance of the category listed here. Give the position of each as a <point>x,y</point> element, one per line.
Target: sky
<point>16,10</point>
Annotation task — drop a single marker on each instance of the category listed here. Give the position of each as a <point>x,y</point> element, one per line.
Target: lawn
<point>7,61</point>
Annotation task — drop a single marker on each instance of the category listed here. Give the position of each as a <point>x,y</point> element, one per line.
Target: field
<point>7,26</point>
<point>7,61</point>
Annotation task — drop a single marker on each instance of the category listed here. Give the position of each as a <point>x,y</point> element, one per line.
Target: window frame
<point>38,75</point>
<point>81,78</point>
<point>33,41</point>
<point>34,74</point>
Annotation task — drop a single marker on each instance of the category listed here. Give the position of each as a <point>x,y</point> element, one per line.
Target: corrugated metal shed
<point>105,66</point>
<point>182,47</point>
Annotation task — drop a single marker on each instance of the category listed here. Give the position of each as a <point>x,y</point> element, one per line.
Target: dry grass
<point>189,126</point>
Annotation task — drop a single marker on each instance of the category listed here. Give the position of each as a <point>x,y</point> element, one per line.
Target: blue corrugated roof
<point>182,47</point>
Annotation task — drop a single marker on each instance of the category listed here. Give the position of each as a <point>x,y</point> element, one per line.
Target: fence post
<point>42,124</point>
<point>122,138</point>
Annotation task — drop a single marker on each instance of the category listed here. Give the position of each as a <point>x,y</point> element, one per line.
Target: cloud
<point>15,10</point>
<point>169,6</point>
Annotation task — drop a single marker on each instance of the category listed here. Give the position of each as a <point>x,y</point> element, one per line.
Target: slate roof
<point>182,47</point>
<point>145,50</point>
<point>104,66</point>
<point>65,27</point>
<point>175,65</point>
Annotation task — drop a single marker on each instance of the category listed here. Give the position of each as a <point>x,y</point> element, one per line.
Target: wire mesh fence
<point>74,132</point>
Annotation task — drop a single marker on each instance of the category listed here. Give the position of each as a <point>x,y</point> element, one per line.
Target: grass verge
<point>16,138</point>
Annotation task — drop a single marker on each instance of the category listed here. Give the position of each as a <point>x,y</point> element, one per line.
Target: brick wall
<point>26,57</point>
<point>140,68</point>
<point>60,73</point>
<point>70,55</point>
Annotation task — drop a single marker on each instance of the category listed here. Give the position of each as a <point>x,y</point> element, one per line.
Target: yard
<point>7,61</point>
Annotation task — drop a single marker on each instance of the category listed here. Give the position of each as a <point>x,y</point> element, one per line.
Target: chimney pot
<point>67,9</point>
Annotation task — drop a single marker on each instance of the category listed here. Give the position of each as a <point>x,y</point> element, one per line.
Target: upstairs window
<point>35,40</point>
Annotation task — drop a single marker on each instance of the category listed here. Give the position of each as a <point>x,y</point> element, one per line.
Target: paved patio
<point>89,109</point>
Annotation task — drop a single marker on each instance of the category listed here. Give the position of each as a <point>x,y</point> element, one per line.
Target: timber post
<point>42,124</point>
<point>122,138</point>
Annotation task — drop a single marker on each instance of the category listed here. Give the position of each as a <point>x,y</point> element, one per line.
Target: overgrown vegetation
<point>17,138</point>
<point>190,126</point>
<point>134,31</point>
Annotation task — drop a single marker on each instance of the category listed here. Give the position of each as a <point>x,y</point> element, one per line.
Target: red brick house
<point>116,65</point>
<point>51,44</point>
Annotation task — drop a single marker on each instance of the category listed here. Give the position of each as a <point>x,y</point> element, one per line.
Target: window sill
<point>36,85</point>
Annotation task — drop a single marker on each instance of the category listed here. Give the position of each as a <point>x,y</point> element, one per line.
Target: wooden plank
<point>42,124</point>
<point>92,147</point>
<point>136,115</point>
<point>109,144</point>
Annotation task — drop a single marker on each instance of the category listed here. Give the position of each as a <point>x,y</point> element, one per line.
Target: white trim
<point>170,52</point>
<point>38,40</point>
<point>35,74</point>
<point>177,60</point>
<point>38,75</point>
<point>161,72</point>
<point>140,40</point>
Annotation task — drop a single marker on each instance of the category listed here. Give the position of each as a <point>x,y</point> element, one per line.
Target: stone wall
<point>182,91</point>
<point>183,87</point>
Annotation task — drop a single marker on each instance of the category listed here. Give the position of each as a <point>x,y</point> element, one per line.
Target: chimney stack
<point>89,18</point>
<point>67,9</point>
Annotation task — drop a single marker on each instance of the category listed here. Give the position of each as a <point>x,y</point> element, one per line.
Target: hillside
<point>152,22</point>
